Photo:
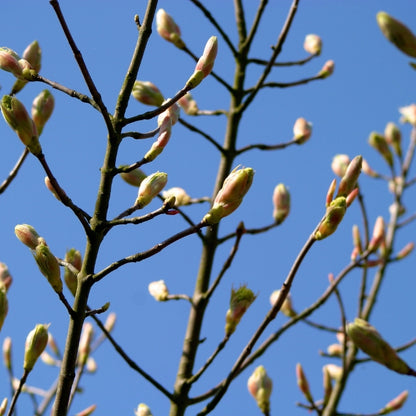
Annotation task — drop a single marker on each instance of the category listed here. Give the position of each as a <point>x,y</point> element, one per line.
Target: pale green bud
<point>260,387</point>
<point>240,301</point>
<point>36,342</point>
<point>134,177</point>
<point>150,187</point>
<point>395,404</point>
<point>147,93</point>
<point>281,203</point>
<point>48,266</point>
<point>74,258</point>
<point>181,197</point>
<point>27,235</point>
<point>168,29</point>
<point>42,108</point>
<point>379,143</point>
<point>287,307</point>
<point>313,44</point>
<point>393,137</point>
<point>334,214</point>
<point>188,104</point>
<point>143,410</point>
<point>327,69</point>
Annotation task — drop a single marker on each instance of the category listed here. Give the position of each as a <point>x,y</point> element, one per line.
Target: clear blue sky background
<point>371,81</point>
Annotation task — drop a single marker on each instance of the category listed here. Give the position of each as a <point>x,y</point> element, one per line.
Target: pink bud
<point>327,69</point>
<point>408,114</point>
<point>260,387</point>
<point>33,54</point>
<point>159,290</point>
<point>188,104</point>
<point>406,250</point>
<point>366,168</point>
<point>395,404</point>
<point>313,44</point>
<point>9,61</point>
<point>378,234</point>
<point>36,342</point>
<point>27,235</point>
<point>240,301</point>
<point>350,178</point>
<point>181,197</point>
<point>88,411</point>
<point>110,321</point>
<point>50,187</point>
<point>7,352</point>
<point>335,350</point>
<point>162,140</point>
<point>281,203</point>
<point>303,382</point>
<point>302,130</point>
<point>172,114</point>
<point>168,29</point>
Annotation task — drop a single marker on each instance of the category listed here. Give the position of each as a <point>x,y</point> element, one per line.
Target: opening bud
<point>159,290</point>
<point>9,61</point>
<point>240,301</point>
<point>168,29</point>
<point>281,203</point>
<point>408,114</point>
<point>42,108</point>
<point>260,387</point>
<point>147,93</point>
<point>313,44</point>
<point>150,187</point>
<point>36,342</point>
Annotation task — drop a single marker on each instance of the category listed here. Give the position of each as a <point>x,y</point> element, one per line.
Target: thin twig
<point>14,171</point>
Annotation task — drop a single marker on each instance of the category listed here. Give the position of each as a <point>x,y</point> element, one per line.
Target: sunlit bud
<point>159,290</point>
<point>378,234</point>
<point>27,235</point>
<point>28,73</point>
<point>16,116</point>
<point>395,404</point>
<point>396,185</point>
<point>303,382</point>
<point>327,384</point>
<point>181,197</point>
<point>406,250</point>
<point>205,64</point>
<point>48,266</point>
<point>9,61</point>
<point>366,338</point>
<point>351,196</point>
<point>397,33</point>
<point>313,44</point>
<point>165,131</point>
<point>52,345</point>
<point>393,137</point>
<point>331,192</point>
<point>356,237</point>
<point>260,387</point>
<point>143,410</point>
<point>327,69</point>
<point>134,177</point>
<point>349,180</point>
<point>340,164</point>
<point>85,343</point>
<point>287,307</point>
<point>147,93</point>
<point>88,411</point>
<point>188,104</point>
<point>110,321</point>
<point>240,301</point>
<point>171,113</point>
<point>7,352</point>
<point>91,365</point>
<point>5,276</point>
<point>48,359</point>
<point>230,196</point>
<point>35,344</point>
<point>335,350</point>
<point>73,257</point>
<point>4,304</point>
<point>42,108</point>
<point>302,130</point>
<point>150,187</point>
<point>50,187</point>
<point>334,371</point>
<point>368,170</point>
<point>333,216</point>
<point>281,203</point>
<point>168,29</point>
<point>3,407</point>
<point>408,114</point>
<point>379,143</point>
<point>397,209</point>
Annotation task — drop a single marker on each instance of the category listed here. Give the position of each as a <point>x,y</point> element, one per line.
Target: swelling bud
<point>48,266</point>
<point>168,29</point>
<point>313,44</point>
<point>27,235</point>
<point>281,203</point>
<point>147,93</point>
<point>260,386</point>
<point>36,342</point>
<point>334,214</point>
<point>42,108</point>
<point>408,114</point>
<point>240,301</point>
<point>302,130</point>
<point>150,187</point>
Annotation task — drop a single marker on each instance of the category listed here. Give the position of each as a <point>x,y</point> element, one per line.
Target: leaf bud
<point>143,410</point>
<point>159,290</point>
<point>7,353</point>
<point>181,197</point>
<point>378,235</point>
<point>313,44</point>
<point>3,407</point>
<point>188,104</point>
<point>27,235</point>
<point>73,257</point>
<point>350,178</point>
<point>366,338</point>
<point>48,266</point>
<point>340,164</point>
<point>5,276</point>
<point>334,371</point>
<point>42,108</point>
<point>4,304</point>
<point>287,307</point>
<point>85,343</point>
<point>150,187</point>
<point>393,137</point>
<point>9,61</point>
<point>16,116</point>
<point>327,70</point>
<point>161,142</point>
<point>395,404</point>
<point>397,33</point>
<point>240,301</point>
<point>134,177</point>
<point>335,350</point>
<point>405,251</point>
<point>302,130</point>
<point>408,114</point>
<point>147,93</point>
<point>333,216</point>
<point>168,29</point>
<point>36,342</point>
<point>303,382</point>
<point>379,143</point>
<point>281,203</point>
<point>260,387</point>
<point>230,196</point>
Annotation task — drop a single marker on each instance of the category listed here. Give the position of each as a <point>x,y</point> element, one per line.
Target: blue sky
<point>371,81</point>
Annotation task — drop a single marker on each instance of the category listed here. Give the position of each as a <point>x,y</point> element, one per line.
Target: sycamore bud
<point>48,266</point>
<point>334,371</point>
<point>335,350</point>
<point>366,338</point>
<point>162,140</point>
<point>327,69</point>
<point>143,410</point>
<point>286,308</point>
<point>27,235</point>
<point>4,304</point>
<point>42,108</point>
<point>397,33</point>
<point>240,301</point>
<point>350,178</point>
<point>205,64</point>
<point>147,93</point>
<point>379,143</point>
<point>16,116</point>
<point>181,197</point>
<point>281,203</point>
<point>260,387</point>
<point>150,187</point>
<point>408,114</point>
<point>35,344</point>
<point>50,187</point>
<point>230,196</point>
<point>32,54</point>
<point>313,44</point>
<point>188,104</point>
<point>333,216</point>
<point>406,250</point>
<point>340,164</point>
<point>159,290</point>
<point>395,404</point>
<point>7,352</point>
<point>73,257</point>
<point>5,276</point>
<point>302,130</point>
<point>378,234</point>
<point>393,137</point>
<point>9,61</point>
<point>85,343</point>
<point>303,382</point>
<point>172,113</point>
<point>88,411</point>
<point>168,29</point>
<point>134,177</point>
